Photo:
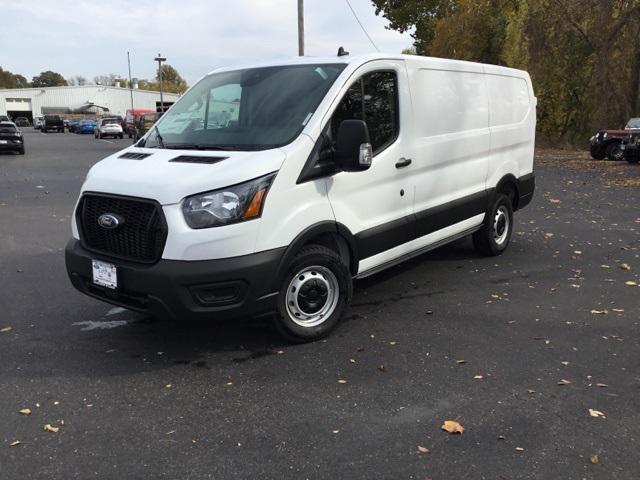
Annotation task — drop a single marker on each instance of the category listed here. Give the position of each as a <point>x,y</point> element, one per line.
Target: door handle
<point>403,162</point>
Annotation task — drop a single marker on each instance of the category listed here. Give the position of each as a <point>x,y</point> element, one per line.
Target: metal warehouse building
<point>88,99</point>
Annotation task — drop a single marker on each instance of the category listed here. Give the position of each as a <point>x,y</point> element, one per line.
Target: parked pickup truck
<point>52,122</point>
<point>608,143</point>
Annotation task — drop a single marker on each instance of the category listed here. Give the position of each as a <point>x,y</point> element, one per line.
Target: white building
<point>30,102</point>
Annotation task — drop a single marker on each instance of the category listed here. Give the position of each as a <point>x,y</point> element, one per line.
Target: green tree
<point>49,79</point>
<point>171,80</point>
<point>11,80</point>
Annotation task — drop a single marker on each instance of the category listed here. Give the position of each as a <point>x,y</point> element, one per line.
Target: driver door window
<point>374,99</point>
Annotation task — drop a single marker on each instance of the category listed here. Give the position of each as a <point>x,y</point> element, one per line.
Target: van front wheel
<point>314,294</point>
<point>493,238</point>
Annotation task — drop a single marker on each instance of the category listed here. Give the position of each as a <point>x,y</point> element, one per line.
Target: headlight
<point>227,205</point>
<point>605,135</point>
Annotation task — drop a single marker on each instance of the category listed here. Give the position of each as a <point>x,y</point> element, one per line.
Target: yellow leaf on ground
<point>50,428</point>
<point>342,381</point>
<point>631,283</point>
<point>13,444</point>
<point>452,426</point>
<point>461,361</point>
<point>25,411</point>
<point>595,459</point>
<point>519,449</point>
<point>564,382</point>
<point>599,312</point>
<point>625,266</point>
<point>596,413</point>
<point>6,329</point>
<point>423,449</point>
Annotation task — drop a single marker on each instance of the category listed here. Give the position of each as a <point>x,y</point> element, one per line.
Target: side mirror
<point>353,147</point>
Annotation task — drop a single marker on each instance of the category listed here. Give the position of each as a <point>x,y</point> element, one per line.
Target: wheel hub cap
<point>501,225</point>
<point>312,296</point>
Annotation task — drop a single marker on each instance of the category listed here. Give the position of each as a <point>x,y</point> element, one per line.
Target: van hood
<point>168,175</point>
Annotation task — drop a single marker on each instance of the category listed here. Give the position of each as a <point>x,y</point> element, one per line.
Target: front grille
<point>141,235</point>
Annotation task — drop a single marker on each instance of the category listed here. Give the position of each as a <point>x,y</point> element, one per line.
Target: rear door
<point>376,204</point>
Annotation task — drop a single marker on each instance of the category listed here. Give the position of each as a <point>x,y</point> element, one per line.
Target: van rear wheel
<point>493,238</point>
<point>313,295</point>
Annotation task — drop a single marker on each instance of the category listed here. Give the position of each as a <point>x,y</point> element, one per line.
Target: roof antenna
<point>342,52</point>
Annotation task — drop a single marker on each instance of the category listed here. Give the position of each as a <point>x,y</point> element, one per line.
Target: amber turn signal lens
<point>255,207</point>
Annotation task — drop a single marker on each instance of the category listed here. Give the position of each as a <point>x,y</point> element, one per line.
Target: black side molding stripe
<point>389,235</point>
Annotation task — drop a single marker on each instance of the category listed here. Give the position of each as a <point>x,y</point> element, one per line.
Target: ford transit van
<point>270,188</point>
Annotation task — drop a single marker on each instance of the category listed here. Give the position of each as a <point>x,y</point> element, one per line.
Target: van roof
<point>416,60</point>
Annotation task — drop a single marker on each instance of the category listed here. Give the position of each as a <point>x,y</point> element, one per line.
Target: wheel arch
<point>330,234</point>
<point>508,185</point>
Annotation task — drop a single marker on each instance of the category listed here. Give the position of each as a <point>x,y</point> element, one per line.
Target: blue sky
<point>88,38</point>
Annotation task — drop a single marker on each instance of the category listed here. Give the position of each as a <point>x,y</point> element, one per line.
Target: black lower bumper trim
<point>526,187</point>
<point>207,289</point>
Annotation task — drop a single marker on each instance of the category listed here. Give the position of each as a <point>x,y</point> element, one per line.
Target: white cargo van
<point>269,188</point>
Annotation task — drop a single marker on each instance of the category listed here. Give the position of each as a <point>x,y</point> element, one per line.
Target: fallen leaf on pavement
<point>519,449</point>
<point>601,385</point>
<point>631,283</point>
<point>423,449</point>
<point>6,329</point>
<point>625,266</point>
<point>595,459</point>
<point>596,413</point>
<point>342,381</point>
<point>564,382</point>
<point>452,426</point>
<point>478,377</point>
<point>461,361</point>
<point>13,444</point>
<point>382,368</point>
<point>50,428</point>
<point>599,312</point>
<point>25,411</point>
<point>531,392</point>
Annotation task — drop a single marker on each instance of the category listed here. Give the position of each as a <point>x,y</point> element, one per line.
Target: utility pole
<point>160,59</point>
<point>130,88</point>
<point>301,28</point>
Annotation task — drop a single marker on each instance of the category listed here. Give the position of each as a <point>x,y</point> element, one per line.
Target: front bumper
<point>632,153</point>
<point>207,290</point>
<point>11,145</point>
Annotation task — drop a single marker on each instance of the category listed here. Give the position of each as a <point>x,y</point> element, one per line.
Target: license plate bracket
<point>104,274</point>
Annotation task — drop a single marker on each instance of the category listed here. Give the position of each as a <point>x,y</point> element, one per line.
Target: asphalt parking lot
<point>517,349</point>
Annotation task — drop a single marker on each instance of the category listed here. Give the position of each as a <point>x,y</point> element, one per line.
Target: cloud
<point>92,38</point>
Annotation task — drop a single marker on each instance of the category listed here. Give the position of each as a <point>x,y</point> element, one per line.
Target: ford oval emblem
<point>109,220</point>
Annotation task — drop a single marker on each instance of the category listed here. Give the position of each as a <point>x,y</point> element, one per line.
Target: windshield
<point>7,128</point>
<point>252,109</point>
<point>633,123</point>
<point>109,120</point>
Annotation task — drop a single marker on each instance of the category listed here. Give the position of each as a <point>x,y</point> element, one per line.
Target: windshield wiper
<point>159,137</point>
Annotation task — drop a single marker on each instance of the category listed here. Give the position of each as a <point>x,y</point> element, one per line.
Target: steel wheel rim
<point>501,225</point>
<point>312,296</point>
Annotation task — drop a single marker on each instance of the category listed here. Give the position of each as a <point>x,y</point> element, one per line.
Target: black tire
<point>597,152</point>
<point>121,136</point>
<point>329,275</point>
<point>615,152</point>
<point>21,151</point>
<point>498,221</point>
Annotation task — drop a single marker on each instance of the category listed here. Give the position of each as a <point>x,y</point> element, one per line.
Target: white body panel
<point>465,126</point>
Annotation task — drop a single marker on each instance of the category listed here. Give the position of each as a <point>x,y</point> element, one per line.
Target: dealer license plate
<point>105,274</point>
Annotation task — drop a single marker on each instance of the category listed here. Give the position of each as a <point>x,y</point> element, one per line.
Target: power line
<point>361,26</point>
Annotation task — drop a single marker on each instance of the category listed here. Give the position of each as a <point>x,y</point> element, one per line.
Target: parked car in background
<point>37,122</point>
<point>22,122</point>
<point>73,124</point>
<point>130,119</point>
<point>144,124</point>
<point>11,138</point>
<point>631,147</point>
<point>52,123</point>
<point>86,126</point>
<point>108,127</point>
<point>4,118</point>
<point>608,143</point>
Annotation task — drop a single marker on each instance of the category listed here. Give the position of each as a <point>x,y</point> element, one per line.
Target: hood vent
<point>135,156</point>
<point>197,159</point>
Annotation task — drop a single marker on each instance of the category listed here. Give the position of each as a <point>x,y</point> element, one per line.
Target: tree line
<point>171,80</point>
<point>583,55</point>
